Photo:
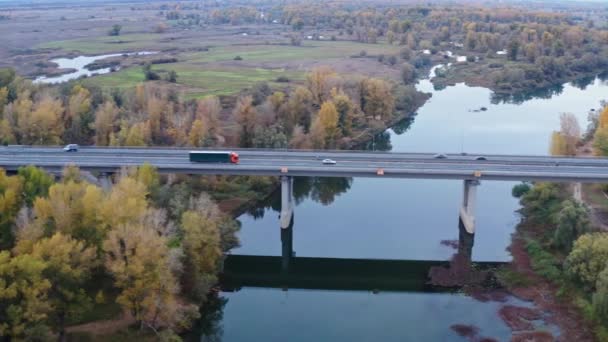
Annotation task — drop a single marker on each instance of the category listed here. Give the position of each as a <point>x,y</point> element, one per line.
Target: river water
<point>403,220</point>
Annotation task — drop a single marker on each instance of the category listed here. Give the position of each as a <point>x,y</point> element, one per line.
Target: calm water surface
<point>406,220</point>
<point>79,63</point>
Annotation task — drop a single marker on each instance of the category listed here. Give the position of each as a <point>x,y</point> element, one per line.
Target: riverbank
<point>539,272</point>
<point>489,73</point>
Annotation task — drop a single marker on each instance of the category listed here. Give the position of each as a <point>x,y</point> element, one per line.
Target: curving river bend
<point>403,220</point>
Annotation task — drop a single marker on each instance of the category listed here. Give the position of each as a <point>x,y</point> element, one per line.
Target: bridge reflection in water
<point>288,271</point>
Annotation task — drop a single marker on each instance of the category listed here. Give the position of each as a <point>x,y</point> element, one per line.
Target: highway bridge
<point>289,163</point>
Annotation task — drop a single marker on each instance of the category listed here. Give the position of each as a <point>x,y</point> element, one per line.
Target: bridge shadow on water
<point>290,272</point>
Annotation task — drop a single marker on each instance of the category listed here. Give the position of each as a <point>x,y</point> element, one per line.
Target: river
<point>401,220</point>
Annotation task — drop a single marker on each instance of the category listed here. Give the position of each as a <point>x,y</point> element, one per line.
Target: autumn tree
<point>600,141</point>
<point>245,115</point>
<point>408,73</point>
<point>319,83</point>
<point>346,112</point>
<point>377,99</point>
<point>208,111</point>
<point>77,116</point>
<point>299,108</point>
<point>24,305</point>
<point>68,266</point>
<point>105,120</point>
<point>11,191</point>
<point>328,120</point>
<point>138,259</point>
<point>201,240</point>
<point>564,142</point>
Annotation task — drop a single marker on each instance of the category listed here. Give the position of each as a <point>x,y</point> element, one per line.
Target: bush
<point>520,189</point>
<point>600,297</point>
<point>282,79</point>
<point>238,58</point>
<point>543,262</point>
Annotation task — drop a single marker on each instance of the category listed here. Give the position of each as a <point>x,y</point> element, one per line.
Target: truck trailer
<point>214,157</point>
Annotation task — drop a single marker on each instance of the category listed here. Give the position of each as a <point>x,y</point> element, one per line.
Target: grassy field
<point>206,59</point>
<point>201,81</point>
<point>215,72</point>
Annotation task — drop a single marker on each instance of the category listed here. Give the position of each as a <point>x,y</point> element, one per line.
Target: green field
<point>215,72</point>
<point>202,81</point>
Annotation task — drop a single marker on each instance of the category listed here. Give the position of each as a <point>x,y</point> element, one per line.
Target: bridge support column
<point>286,201</point>
<point>467,210</point>
<point>105,182</point>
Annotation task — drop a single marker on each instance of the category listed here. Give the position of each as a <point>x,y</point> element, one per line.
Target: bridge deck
<point>308,163</point>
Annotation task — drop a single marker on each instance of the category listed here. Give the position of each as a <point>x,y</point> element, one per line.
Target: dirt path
<point>104,327</point>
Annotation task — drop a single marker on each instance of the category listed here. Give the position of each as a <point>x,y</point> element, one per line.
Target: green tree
<point>115,30</point>
<point>23,297</point>
<point>600,297</point>
<point>541,202</point>
<point>588,258</point>
<point>36,183</point>
<point>512,50</point>
<point>573,221</point>
<point>11,190</point>
<point>600,141</point>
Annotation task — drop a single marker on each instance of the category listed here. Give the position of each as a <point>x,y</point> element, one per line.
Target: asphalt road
<point>309,163</point>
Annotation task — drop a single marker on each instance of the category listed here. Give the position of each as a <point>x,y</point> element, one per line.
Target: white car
<point>71,148</point>
<point>329,162</point>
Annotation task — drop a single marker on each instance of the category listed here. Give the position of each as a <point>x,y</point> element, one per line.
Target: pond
<point>78,64</point>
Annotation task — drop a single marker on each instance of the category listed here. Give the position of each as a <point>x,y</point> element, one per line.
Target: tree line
<point>60,238</point>
<point>326,112</point>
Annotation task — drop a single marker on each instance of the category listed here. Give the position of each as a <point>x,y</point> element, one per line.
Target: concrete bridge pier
<point>469,200</point>
<point>105,181</point>
<point>286,201</point>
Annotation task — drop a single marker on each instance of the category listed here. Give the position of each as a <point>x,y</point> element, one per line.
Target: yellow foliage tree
<point>105,119</point>
<point>328,118</point>
<point>318,81</point>
<point>43,125</point>
<point>68,265</point>
<point>138,259</point>
<point>23,295</point>
<point>378,100</point>
<point>196,137</point>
